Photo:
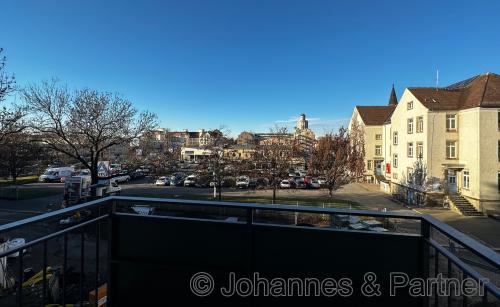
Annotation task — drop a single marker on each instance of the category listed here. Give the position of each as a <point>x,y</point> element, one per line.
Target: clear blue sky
<point>249,64</point>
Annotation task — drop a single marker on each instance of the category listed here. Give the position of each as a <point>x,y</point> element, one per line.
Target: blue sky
<point>250,64</point>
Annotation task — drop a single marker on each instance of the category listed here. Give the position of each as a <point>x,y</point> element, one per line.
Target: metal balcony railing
<point>69,254</point>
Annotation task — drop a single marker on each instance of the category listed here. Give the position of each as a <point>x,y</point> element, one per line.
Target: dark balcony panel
<point>153,259</point>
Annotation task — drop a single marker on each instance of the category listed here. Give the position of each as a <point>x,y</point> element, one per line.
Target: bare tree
<point>9,117</point>
<point>357,159</point>
<point>332,159</point>
<point>83,124</point>
<point>216,161</point>
<point>274,156</point>
<point>7,82</point>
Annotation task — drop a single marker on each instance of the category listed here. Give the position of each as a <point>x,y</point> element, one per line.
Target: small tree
<point>417,178</point>
<point>333,159</point>
<point>274,156</point>
<point>83,124</point>
<point>357,156</point>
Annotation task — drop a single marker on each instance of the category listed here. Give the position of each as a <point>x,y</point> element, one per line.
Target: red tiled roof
<point>375,115</point>
<point>479,91</point>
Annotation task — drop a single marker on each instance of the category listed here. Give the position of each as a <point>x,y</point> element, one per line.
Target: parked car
<point>177,180</point>
<point>313,184</point>
<point>299,182</point>
<point>162,181</point>
<point>137,174</point>
<point>242,182</point>
<point>322,181</point>
<point>55,174</point>
<point>190,181</point>
<point>122,178</point>
<point>286,184</point>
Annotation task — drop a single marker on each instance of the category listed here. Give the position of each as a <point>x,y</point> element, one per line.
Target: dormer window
<point>409,104</point>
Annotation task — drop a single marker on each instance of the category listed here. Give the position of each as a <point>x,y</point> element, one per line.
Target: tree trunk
<point>220,190</point>
<point>274,194</point>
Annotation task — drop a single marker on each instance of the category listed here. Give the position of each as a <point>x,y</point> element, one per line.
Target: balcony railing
<point>139,251</point>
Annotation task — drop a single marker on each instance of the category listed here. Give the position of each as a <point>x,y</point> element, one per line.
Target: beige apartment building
<point>372,119</point>
<point>455,132</point>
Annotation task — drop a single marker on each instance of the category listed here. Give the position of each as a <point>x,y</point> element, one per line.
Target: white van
<point>55,174</point>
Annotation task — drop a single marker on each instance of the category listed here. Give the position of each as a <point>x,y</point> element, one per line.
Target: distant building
<point>247,138</point>
<point>304,137</point>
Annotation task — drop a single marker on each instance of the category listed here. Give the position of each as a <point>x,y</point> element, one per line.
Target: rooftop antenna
<point>437,79</point>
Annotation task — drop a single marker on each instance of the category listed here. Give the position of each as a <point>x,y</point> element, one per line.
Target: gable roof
<point>478,91</point>
<point>375,115</point>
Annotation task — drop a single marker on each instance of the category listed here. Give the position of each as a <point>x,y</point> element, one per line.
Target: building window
<point>420,124</point>
<point>451,122</point>
<point>369,164</point>
<point>498,183</point>
<point>395,138</point>
<point>395,176</point>
<point>499,120</point>
<point>378,136</point>
<point>410,149</point>
<point>498,150</point>
<point>410,125</point>
<point>378,150</point>
<point>395,160</point>
<point>420,150</point>
<point>466,180</point>
<point>410,105</point>
<point>451,149</point>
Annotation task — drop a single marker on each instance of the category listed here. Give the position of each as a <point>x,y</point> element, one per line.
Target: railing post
<point>110,248</point>
<point>425,231</point>
<point>250,239</point>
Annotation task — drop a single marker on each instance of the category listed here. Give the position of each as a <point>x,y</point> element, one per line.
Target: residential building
<point>371,120</point>
<point>453,131</point>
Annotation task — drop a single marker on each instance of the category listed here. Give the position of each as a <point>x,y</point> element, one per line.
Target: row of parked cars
<point>242,182</point>
<point>59,174</point>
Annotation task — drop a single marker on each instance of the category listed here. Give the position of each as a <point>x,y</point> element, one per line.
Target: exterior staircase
<point>464,206</point>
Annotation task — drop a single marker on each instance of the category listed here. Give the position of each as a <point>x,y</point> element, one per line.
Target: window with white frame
<point>410,149</point>
<point>410,125</point>
<point>395,160</point>
<point>420,150</point>
<point>378,150</point>
<point>466,184</point>
<point>369,165</point>
<point>451,149</point>
<point>451,122</point>
<point>409,105</point>
<point>420,124</point>
<point>395,138</point>
<point>378,137</point>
